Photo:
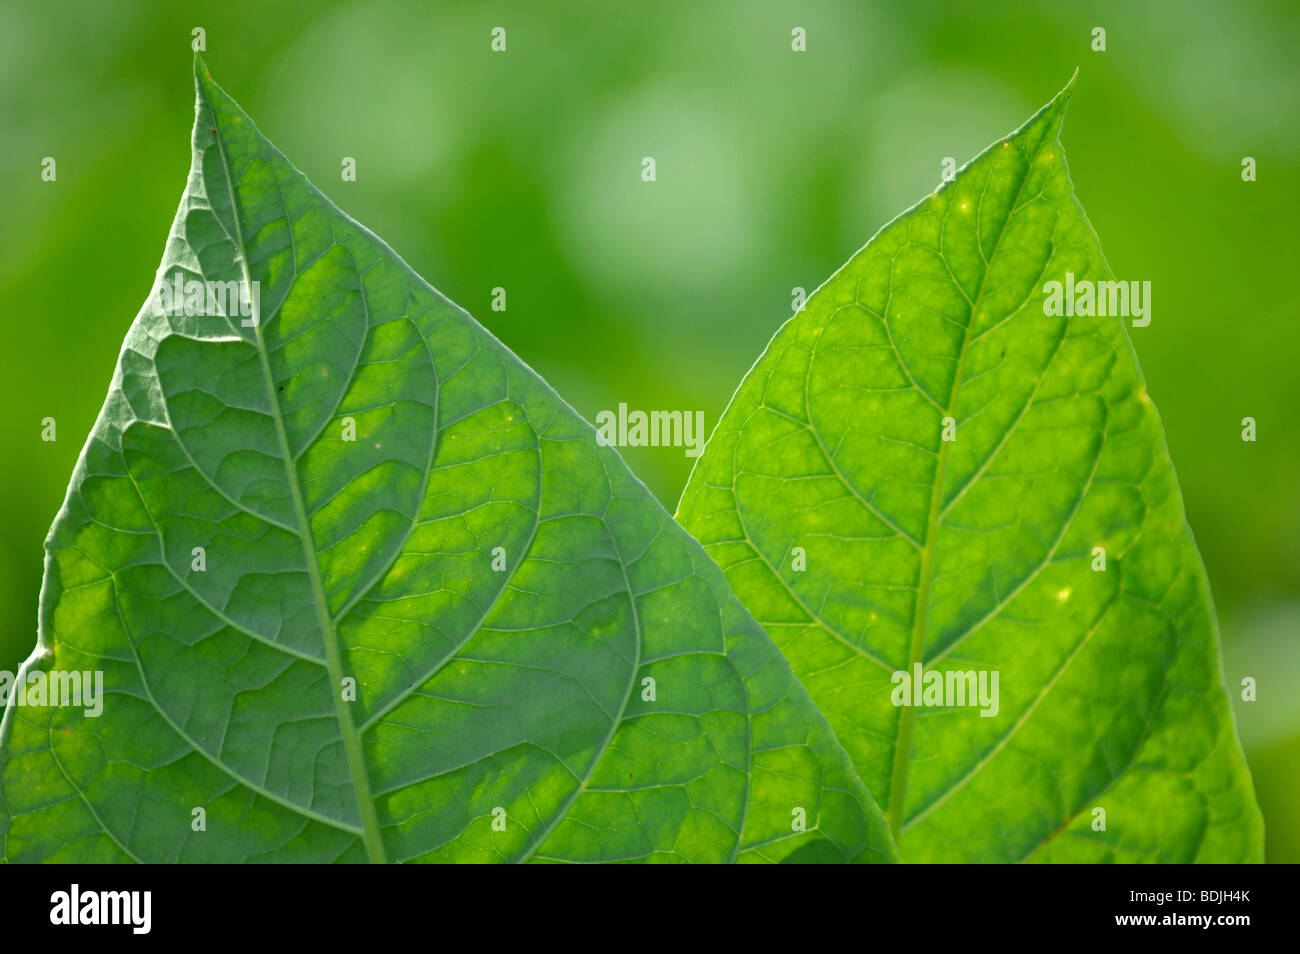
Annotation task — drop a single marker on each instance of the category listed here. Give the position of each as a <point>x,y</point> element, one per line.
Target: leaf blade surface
<point>975,554</point>
<point>496,586</point>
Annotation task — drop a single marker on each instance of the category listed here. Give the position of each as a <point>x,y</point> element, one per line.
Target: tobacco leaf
<point>430,619</point>
<point>867,544</point>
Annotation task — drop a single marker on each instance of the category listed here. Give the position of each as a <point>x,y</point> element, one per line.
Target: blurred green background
<point>523,170</point>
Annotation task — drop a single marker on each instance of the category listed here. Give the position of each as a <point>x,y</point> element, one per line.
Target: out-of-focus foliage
<point>523,170</point>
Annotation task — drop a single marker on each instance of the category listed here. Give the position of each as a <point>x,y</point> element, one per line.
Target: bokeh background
<point>522,170</point>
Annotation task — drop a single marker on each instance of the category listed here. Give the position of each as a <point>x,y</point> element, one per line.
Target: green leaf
<point>977,554</point>
<point>518,697</point>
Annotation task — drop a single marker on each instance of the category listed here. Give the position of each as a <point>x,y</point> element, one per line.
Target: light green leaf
<point>500,713</point>
<point>977,554</point>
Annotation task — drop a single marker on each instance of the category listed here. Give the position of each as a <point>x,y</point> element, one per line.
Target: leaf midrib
<point>902,761</point>
<point>371,833</point>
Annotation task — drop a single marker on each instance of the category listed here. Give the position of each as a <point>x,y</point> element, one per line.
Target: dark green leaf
<point>516,694</point>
